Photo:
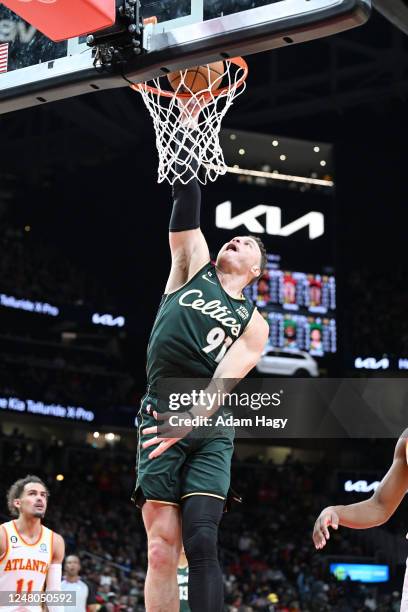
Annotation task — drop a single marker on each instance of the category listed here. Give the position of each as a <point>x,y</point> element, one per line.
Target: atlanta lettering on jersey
<point>212,309</point>
<point>34,565</point>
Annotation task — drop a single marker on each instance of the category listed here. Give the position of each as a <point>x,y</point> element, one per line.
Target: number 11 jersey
<point>24,566</point>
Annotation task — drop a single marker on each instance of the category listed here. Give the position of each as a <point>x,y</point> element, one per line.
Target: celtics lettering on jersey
<point>194,328</point>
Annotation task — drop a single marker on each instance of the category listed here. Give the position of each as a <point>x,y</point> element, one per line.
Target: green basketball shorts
<point>191,466</point>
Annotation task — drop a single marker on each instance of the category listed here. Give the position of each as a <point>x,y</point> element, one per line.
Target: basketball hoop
<point>188,122</point>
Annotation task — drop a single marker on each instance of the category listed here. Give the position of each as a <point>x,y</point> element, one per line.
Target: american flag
<point>3,57</point>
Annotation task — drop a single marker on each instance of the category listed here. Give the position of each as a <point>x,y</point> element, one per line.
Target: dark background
<point>82,174</point>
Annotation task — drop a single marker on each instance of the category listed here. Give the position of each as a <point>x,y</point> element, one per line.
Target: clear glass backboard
<point>177,34</point>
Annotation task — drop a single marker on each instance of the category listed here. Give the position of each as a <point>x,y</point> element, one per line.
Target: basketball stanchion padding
<point>63,19</point>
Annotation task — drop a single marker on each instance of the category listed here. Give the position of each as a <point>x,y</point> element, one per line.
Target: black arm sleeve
<point>186,206</point>
<point>186,199</point>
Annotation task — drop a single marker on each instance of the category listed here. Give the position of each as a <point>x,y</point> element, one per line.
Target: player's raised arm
<point>371,512</point>
<point>189,250</point>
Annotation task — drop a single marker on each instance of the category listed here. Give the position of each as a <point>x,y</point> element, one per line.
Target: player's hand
<point>190,109</point>
<point>328,518</point>
<point>162,438</point>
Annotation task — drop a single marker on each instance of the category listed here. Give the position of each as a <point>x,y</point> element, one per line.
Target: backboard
<point>177,34</point>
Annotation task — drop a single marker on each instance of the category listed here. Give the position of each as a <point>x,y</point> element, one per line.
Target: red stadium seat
<point>62,19</point>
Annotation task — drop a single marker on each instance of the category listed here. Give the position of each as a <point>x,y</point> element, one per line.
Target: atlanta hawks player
<point>374,511</point>
<point>31,555</point>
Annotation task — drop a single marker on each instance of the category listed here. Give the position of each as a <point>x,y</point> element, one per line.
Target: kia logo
<point>371,363</point>
<point>361,486</point>
<point>313,220</point>
<point>107,319</point>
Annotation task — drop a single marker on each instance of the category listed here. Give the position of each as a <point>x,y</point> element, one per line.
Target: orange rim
<point>238,61</point>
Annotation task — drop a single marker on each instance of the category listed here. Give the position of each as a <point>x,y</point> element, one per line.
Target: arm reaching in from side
<point>371,512</point>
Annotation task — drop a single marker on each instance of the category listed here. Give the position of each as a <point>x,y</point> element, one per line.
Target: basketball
<point>199,78</point>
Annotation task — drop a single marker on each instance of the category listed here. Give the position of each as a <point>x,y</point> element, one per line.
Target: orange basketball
<point>199,78</point>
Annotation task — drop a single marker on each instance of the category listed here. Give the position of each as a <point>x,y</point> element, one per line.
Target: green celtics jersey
<point>182,581</point>
<point>194,328</point>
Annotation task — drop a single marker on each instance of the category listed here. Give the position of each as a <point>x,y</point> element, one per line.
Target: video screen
<point>316,335</point>
<point>300,308</point>
<point>295,291</point>
<point>360,572</point>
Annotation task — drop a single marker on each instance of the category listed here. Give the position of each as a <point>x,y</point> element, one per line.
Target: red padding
<point>62,19</point>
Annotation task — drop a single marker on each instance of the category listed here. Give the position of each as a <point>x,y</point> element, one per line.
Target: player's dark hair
<point>264,258</point>
<point>17,489</point>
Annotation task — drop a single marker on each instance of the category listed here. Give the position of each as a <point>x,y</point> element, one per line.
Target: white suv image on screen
<point>287,363</point>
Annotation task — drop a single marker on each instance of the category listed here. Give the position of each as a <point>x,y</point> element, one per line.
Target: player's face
<point>315,294</point>
<point>72,565</point>
<point>242,253</point>
<point>315,335</point>
<point>33,500</point>
<point>289,291</point>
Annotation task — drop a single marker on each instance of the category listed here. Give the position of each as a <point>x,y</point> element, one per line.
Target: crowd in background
<point>267,556</point>
<point>64,385</point>
<point>378,300</point>
<point>37,361</point>
<point>33,269</point>
<point>266,552</point>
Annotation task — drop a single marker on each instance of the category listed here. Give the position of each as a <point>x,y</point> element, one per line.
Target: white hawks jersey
<point>24,566</point>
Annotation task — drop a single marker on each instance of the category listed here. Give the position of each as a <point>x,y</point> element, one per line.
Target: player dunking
<point>30,554</point>
<point>204,328</point>
<point>374,511</point>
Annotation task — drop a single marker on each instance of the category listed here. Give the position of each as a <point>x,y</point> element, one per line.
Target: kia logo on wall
<point>313,220</point>
<point>361,486</point>
<point>107,319</point>
<point>371,363</point>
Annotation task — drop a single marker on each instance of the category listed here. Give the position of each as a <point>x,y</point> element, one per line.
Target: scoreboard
<point>300,308</point>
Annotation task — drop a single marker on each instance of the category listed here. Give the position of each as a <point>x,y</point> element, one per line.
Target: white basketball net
<point>187,128</point>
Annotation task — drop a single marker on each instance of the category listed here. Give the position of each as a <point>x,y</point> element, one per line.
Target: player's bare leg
<point>163,528</point>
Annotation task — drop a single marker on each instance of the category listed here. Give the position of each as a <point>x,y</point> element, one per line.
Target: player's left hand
<point>161,431</point>
<point>321,534</point>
